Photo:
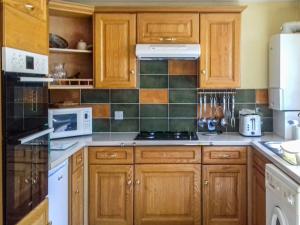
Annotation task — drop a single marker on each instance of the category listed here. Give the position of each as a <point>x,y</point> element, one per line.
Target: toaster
<point>250,123</point>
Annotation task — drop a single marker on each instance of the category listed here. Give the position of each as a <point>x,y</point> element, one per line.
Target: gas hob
<point>167,135</point>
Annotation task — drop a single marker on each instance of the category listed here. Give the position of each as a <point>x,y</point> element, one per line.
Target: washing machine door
<point>278,217</point>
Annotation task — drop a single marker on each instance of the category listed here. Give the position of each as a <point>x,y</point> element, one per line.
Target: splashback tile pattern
<point>166,100</point>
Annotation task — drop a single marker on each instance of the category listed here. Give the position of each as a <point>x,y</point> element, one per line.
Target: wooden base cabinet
<point>224,194</point>
<point>38,216</point>
<point>111,195</point>
<point>167,194</point>
<point>258,188</point>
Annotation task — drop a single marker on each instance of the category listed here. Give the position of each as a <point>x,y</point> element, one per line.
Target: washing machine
<point>282,198</point>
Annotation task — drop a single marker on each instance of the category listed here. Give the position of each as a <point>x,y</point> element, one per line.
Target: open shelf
<point>71,84</point>
<point>68,50</point>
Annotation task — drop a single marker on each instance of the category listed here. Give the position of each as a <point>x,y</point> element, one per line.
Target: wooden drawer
<point>168,154</point>
<point>35,8</point>
<point>110,155</point>
<point>259,161</point>
<point>168,28</point>
<point>225,155</point>
<point>77,160</point>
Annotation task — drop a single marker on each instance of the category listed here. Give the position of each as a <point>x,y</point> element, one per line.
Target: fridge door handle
<point>35,135</point>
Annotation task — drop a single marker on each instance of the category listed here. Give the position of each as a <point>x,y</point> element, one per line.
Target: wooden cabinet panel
<point>168,28</point>
<point>220,50</point>
<point>110,155</point>
<point>167,194</point>
<point>77,197</point>
<point>77,160</point>
<point>34,8</point>
<point>38,216</point>
<point>115,61</point>
<point>225,155</point>
<point>224,195</point>
<point>23,31</point>
<point>110,195</point>
<point>168,154</point>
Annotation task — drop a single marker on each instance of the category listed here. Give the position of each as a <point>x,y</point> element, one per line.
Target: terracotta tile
<point>64,96</point>
<point>154,96</point>
<point>183,67</point>
<point>100,110</point>
<point>261,96</point>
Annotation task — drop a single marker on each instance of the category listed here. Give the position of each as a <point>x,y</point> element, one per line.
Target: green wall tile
<point>183,81</point>
<point>101,125</point>
<point>153,67</point>
<point>239,106</point>
<point>183,124</point>
<point>183,96</point>
<point>264,110</point>
<point>124,96</point>
<point>129,110</point>
<point>154,81</point>
<point>95,96</point>
<point>154,124</point>
<point>126,125</point>
<point>267,125</point>
<point>183,110</point>
<point>154,110</point>
<point>245,96</point>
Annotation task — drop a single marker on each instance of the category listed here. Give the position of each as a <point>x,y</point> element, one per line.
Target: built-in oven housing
<point>25,132</point>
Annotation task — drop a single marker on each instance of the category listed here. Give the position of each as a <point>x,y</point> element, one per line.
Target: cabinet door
<point>258,198</point>
<point>24,31</point>
<point>220,50</point>
<point>167,194</point>
<point>115,61</point>
<point>38,216</point>
<point>111,195</point>
<point>224,195</point>
<point>168,28</point>
<point>77,197</point>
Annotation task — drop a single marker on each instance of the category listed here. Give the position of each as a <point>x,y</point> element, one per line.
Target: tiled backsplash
<point>166,100</point>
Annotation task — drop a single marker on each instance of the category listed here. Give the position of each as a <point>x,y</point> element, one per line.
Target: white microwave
<point>69,122</point>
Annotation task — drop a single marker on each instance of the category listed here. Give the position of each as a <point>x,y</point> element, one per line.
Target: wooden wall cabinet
<point>115,61</point>
<point>258,188</point>
<point>38,216</point>
<point>77,189</point>
<point>224,185</point>
<point>25,25</point>
<point>172,28</point>
<point>167,194</point>
<point>220,50</point>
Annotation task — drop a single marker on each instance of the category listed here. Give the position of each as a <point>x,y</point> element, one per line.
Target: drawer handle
<point>225,156</point>
<point>167,39</point>
<point>29,7</point>
<point>112,155</point>
<point>137,182</point>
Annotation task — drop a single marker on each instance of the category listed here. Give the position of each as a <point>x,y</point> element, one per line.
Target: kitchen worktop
<point>127,139</point>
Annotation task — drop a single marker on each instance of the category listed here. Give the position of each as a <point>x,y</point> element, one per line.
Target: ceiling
<point>168,2</point>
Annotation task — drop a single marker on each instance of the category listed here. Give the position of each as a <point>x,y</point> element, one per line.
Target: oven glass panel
<point>26,105</point>
<point>65,122</point>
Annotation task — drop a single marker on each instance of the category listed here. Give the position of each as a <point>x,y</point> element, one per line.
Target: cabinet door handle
<point>203,72</point>
<point>137,182</point>
<point>29,7</point>
<point>167,39</point>
<point>129,182</point>
<point>225,156</point>
<point>112,155</point>
<point>132,72</point>
<point>77,191</point>
<point>206,182</point>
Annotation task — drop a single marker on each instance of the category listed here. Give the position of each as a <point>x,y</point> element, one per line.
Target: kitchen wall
<point>166,100</point>
<point>259,22</point>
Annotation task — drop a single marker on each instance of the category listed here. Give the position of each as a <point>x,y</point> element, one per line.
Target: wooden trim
<point>200,9</point>
<point>57,7</point>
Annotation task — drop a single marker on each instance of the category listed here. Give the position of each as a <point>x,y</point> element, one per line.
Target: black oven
<point>25,137</point>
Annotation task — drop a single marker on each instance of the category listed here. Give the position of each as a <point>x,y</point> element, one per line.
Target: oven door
<point>26,103</point>
<point>278,217</point>
<point>26,176</point>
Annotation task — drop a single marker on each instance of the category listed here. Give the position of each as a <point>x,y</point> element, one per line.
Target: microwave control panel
<point>87,120</point>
